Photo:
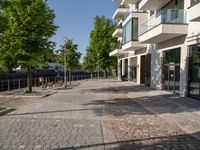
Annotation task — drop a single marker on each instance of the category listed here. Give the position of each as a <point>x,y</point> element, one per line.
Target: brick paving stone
<point>98,115</point>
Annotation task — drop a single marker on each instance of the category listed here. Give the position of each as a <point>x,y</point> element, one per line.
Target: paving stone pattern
<point>97,115</point>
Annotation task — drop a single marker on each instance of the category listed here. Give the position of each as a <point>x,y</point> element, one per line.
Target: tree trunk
<point>91,75</point>
<point>106,73</point>
<point>29,80</point>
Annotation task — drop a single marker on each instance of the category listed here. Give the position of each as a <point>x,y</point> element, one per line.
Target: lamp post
<point>65,65</point>
<point>98,65</point>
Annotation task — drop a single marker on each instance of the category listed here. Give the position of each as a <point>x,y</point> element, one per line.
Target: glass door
<point>172,78</point>
<point>171,71</point>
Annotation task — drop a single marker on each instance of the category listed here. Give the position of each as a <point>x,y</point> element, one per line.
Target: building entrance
<point>172,77</point>
<point>171,70</point>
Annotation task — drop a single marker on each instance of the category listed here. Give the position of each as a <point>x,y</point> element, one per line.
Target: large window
<point>175,4</point>
<point>171,70</point>
<point>194,71</point>
<point>130,31</point>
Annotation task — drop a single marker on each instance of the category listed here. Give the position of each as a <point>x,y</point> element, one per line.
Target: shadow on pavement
<point>141,105</point>
<point>124,89</point>
<point>179,142</point>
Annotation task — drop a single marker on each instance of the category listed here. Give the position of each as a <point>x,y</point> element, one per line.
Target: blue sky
<point>75,19</point>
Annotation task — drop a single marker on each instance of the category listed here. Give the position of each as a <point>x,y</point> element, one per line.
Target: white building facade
<point>159,44</point>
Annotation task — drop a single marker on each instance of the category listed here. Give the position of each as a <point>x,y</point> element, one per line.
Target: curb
<point>6,111</point>
<point>49,94</point>
<point>27,96</point>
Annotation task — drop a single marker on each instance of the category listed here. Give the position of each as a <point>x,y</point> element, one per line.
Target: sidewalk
<point>103,115</point>
<point>185,112</point>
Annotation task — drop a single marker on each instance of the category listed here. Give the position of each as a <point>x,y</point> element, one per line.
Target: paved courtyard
<point>104,114</point>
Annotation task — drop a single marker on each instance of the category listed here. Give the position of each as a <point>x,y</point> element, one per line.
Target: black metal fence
<point>19,80</point>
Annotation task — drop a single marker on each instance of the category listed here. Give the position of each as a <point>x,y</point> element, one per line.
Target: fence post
<point>18,83</point>
<point>2,85</point>
<point>35,81</point>
<point>8,84</point>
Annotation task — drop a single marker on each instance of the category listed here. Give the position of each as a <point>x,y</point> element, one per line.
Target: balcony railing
<point>168,16</point>
<point>194,2</point>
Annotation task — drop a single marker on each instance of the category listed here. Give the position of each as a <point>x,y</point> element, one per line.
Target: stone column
<point>119,70</point>
<point>184,71</point>
<point>138,69</point>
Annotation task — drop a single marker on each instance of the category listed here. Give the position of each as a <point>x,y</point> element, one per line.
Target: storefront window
<point>194,71</point>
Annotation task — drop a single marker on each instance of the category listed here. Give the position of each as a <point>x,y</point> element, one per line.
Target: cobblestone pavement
<point>16,102</point>
<point>99,115</point>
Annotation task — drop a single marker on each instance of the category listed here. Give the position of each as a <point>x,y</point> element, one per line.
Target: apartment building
<point>159,44</point>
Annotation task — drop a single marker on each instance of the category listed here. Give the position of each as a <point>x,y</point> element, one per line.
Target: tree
<point>72,56</point>
<point>89,61</point>
<point>102,43</point>
<point>25,41</point>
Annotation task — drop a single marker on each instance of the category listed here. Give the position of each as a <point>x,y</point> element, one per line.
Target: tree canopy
<point>69,50</point>
<point>24,39</point>
<point>72,54</point>
<point>89,62</point>
<point>101,44</point>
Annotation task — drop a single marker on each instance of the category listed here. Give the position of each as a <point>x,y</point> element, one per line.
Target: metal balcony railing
<point>168,16</point>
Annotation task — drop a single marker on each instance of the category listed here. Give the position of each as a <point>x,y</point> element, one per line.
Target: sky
<point>75,19</point>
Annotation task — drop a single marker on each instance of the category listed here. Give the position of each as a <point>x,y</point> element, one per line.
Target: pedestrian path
<point>103,115</point>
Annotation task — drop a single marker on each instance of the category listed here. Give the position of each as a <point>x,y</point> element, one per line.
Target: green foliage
<point>25,37</point>
<point>89,62</point>
<point>72,55</point>
<point>101,44</point>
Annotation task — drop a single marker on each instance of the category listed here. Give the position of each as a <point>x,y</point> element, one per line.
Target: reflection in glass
<point>194,71</point>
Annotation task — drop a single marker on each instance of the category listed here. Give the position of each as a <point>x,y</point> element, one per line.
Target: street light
<point>98,65</point>
<point>65,65</point>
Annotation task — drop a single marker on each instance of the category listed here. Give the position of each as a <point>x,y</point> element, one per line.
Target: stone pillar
<point>156,69</point>
<point>184,71</point>
<point>119,69</point>
<point>138,69</point>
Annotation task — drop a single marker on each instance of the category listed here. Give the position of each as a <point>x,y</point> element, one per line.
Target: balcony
<point>152,4</point>
<point>163,26</point>
<point>116,53</point>
<point>118,32</point>
<point>133,46</point>
<point>193,11</point>
<point>119,13</point>
<point>126,2</point>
